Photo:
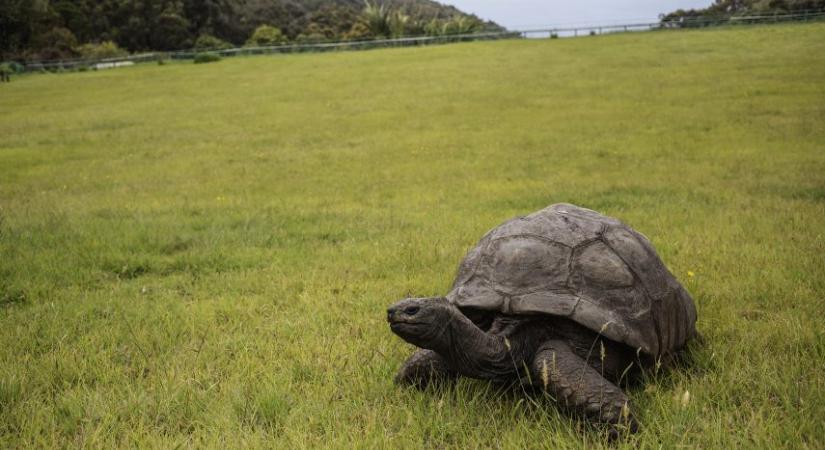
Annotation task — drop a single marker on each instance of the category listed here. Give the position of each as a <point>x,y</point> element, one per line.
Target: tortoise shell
<point>573,262</point>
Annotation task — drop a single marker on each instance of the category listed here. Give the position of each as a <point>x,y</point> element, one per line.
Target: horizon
<point>520,14</point>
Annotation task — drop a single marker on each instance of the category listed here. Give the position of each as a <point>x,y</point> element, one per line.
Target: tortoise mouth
<point>406,328</point>
<point>404,323</point>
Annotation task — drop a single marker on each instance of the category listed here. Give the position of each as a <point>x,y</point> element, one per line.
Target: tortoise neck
<point>471,351</point>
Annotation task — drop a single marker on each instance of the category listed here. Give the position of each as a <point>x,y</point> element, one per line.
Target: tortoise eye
<point>411,310</point>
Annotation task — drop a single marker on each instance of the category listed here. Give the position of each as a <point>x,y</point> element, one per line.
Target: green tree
<point>27,26</point>
<point>721,9</point>
<point>218,18</point>
<point>20,23</point>
<point>57,43</point>
<point>171,32</point>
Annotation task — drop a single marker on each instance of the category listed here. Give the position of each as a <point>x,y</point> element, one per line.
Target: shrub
<point>313,38</point>
<point>266,35</point>
<point>201,58</point>
<point>15,66</point>
<point>5,72</point>
<point>359,31</point>
<point>57,43</point>
<point>207,41</point>
<point>103,50</point>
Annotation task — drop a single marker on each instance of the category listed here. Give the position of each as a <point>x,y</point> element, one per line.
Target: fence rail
<point>801,16</point>
<point>690,22</point>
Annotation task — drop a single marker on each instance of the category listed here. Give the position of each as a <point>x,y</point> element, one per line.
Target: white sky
<point>521,14</point>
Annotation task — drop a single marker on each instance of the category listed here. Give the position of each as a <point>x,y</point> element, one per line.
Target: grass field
<point>201,255</point>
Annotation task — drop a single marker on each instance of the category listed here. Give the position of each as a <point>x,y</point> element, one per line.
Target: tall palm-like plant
<point>398,24</point>
<point>453,26</point>
<point>460,25</point>
<point>377,18</point>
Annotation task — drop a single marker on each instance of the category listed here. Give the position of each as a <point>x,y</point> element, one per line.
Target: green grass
<point>201,255</point>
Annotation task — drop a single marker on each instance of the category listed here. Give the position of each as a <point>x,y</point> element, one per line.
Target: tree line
<point>61,29</point>
<point>721,9</point>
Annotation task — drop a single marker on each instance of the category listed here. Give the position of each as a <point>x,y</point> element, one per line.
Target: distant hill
<point>731,8</point>
<point>43,29</point>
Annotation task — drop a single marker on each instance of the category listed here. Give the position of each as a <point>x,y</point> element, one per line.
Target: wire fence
<point>542,32</point>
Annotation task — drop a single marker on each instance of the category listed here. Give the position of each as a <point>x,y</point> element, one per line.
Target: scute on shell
<point>522,264</point>
<point>574,262</point>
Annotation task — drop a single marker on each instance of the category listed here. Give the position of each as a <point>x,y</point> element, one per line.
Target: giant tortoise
<point>567,300</point>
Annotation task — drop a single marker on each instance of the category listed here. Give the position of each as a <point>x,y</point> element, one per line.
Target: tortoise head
<point>421,321</point>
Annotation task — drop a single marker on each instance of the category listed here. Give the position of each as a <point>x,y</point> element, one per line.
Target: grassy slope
<point>202,254</point>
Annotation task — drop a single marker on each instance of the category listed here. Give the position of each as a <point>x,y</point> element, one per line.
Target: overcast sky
<point>520,14</point>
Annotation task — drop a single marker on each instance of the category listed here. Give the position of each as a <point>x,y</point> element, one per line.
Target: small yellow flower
<point>691,274</point>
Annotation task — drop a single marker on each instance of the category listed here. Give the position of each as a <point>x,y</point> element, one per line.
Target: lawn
<point>201,255</point>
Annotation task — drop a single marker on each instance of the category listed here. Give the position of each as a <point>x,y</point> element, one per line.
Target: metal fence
<point>544,32</point>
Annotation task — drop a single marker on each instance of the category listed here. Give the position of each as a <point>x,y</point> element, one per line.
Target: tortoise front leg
<point>424,367</point>
<point>580,388</point>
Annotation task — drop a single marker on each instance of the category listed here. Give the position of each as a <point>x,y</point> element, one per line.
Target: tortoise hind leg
<point>423,368</point>
<point>579,387</point>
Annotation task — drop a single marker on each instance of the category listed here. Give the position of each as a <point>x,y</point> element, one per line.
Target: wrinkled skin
<point>581,370</point>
